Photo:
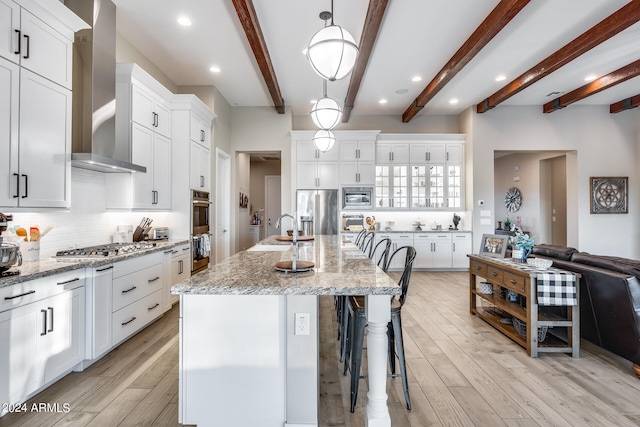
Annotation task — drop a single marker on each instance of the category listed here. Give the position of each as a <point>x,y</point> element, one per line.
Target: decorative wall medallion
<point>512,199</point>
<point>609,194</point>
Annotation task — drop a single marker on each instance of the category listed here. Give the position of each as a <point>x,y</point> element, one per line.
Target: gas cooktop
<point>100,251</point>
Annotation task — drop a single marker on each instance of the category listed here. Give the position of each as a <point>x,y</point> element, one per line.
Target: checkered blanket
<point>556,288</point>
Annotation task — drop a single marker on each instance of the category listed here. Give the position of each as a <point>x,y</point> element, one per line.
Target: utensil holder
<point>30,250</point>
<point>138,234</point>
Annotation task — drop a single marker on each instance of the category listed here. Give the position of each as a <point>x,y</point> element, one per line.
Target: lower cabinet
<point>136,294</point>
<point>99,307</point>
<point>433,250</point>
<point>177,267</point>
<point>398,240</point>
<point>43,339</point>
<point>461,247</point>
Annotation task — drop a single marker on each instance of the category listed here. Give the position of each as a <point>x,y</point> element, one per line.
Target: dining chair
<point>355,337</point>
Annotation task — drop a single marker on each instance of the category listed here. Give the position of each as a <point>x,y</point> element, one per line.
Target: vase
<point>524,253</point>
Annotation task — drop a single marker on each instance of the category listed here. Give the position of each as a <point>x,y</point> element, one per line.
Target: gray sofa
<point>609,298</point>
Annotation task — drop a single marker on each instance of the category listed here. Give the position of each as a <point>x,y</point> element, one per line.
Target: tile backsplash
<point>86,223</point>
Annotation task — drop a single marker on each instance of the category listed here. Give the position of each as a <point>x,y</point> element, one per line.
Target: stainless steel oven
<point>357,198</point>
<point>200,231</point>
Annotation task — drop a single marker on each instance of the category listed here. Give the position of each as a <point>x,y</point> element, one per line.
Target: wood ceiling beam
<point>607,28</point>
<point>499,17</point>
<point>625,104</point>
<point>605,82</point>
<point>370,31</point>
<point>249,20</point>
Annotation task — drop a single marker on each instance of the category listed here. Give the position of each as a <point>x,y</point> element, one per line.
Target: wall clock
<point>512,199</point>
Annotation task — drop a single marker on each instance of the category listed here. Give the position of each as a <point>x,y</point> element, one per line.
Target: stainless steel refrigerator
<point>321,208</point>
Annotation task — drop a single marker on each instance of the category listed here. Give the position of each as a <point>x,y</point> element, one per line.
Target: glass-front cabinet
<point>392,186</point>
<point>454,186</point>
<point>427,186</point>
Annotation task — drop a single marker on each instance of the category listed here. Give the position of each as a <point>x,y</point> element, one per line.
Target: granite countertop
<point>340,269</point>
<point>49,266</point>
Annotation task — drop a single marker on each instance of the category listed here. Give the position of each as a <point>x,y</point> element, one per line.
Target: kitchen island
<point>249,334</point>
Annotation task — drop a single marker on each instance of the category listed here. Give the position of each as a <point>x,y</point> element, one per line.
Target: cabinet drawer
<point>132,265</point>
<point>34,290</point>
<point>515,283</point>
<point>133,317</point>
<point>478,269</point>
<point>132,287</point>
<point>494,275</point>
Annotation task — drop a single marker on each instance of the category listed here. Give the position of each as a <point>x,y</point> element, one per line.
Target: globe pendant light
<point>326,112</point>
<point>332,51</point>
<point>324,140</point>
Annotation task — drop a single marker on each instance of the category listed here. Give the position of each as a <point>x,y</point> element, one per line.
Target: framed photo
<point>609,194</point>
<point>494,245</point>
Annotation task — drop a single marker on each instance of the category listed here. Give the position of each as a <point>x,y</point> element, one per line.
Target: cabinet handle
<point>477,267</point>
<point>129,290</point>
<point>105,269</point>
<point>494,274</point>
<point>50,310</point>
<point>201,181</point>
<point>393,156</point>
<point>69,281</point>
<point>186,249</point>
<point>26,186</point>
<point>513,282</point>
<point>44,322</point>
<point>129,321</point>
<point>170,251</point>
<point>17,52</point>
<point>155,306</point>
<point>389,155</point>
<point>180,267</point>
<point>21,295</point>
<point>15,196</point>
<point>201,135</point>
<point>426,156</point>
<point>454,247</point>
<point>447,156</point>
<point>28,45</point>
<point>153,280</point>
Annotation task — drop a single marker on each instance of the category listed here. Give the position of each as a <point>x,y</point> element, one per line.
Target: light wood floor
<point>461,372</point>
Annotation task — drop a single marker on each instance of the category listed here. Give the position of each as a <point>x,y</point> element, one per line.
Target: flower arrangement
<point>522,241</point>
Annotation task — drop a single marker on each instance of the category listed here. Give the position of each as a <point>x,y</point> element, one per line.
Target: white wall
<point>605,145</point>
<point>260,129</point>
<point>388,124</point>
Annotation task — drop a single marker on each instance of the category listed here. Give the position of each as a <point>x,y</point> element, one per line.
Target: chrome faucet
<point>295,239</point>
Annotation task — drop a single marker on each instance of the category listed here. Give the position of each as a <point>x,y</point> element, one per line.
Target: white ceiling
<point>417,37</point>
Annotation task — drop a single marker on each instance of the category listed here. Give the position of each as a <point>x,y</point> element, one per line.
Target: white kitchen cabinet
<point>357,151</point>
<point>392,153</point>
<point>177,262</point>
<point>43,334</point>
<point>151,190</point>
<point>311,175</point>
<point>428,153</point>
<point>433,250</point>
<point>201,130</point>
<point>455,153</point>
<point>357,165</point>
<point>150,111</point>
<point>461,247</point>
<point>137,294</point>
<point>9,142</point>
<point>200,167</point>
<point>392,186</point>
<point>306,151</point>
<point>98,309</point>
<point>34,44</point>
<point>398,240</point>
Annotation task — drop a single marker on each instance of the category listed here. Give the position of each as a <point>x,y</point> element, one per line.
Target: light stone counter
<point>340,269</point>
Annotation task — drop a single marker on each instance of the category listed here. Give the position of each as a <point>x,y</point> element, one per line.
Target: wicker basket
<point>521,328</point>
<point>485,288</point>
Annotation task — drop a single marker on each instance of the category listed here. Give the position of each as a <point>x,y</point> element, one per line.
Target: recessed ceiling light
<point>214,69</point>
<point>383,101</point>
<point>453,101</point>
<point>501,77</point>
<point>402,91</point>
<point>590,78</point>
<point>416,79</point>
<point>184,21</point>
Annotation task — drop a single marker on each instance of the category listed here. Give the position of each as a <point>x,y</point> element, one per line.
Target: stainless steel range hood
<point>94,144</point>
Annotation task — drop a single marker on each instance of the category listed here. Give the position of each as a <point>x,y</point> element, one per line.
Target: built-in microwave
<point>357,198</point>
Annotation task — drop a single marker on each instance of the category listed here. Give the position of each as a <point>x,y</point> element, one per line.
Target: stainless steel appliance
<point>159,233</point>
<point>102,251</point>
<point>352,222</point>
<point>9,252</point>
<point>357,198</point>
<point>200,231</point>
<point>321,208</point>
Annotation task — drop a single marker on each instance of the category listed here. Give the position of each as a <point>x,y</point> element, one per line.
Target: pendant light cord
<point>331,12</point>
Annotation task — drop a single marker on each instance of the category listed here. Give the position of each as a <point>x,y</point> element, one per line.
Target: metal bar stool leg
<point>397,328</point>
<point>359,324</point>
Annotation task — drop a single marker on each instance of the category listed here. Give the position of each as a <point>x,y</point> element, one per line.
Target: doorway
<point>272,210</point>
<point>223,205</point>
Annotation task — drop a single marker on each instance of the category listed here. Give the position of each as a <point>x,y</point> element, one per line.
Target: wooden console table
<point>522,279</point>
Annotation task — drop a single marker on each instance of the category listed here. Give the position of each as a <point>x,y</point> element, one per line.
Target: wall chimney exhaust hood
<point>94,144</point>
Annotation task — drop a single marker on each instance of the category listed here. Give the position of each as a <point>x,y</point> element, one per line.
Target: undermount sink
<point>269,248</point>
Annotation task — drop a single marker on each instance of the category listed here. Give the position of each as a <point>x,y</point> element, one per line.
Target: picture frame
<point>494,245</point>
<point>609,194</point>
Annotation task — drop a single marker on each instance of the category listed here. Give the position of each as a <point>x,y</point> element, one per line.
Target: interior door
<point>272,200</point>
<point>223,205</point>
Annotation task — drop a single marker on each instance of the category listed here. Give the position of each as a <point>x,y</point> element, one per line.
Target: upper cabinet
<point>35,94</point>
<point>392,153</point>
<point>143,117</point>
<point>357,162</point>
